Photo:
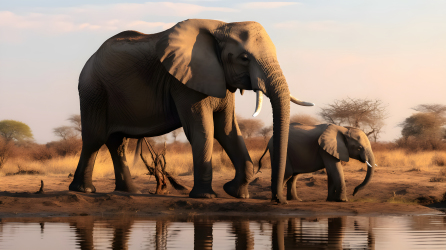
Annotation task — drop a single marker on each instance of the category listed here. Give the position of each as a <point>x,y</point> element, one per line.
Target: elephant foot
<point>235,190</point>
<point>293,198</point>
<point>200,193</point>
<point>82,187</point>
<point>129,189</point>
<point>279,199</point>
<point>338,200</point>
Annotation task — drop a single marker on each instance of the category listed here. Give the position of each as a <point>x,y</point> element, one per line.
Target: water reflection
<point>418,232</point>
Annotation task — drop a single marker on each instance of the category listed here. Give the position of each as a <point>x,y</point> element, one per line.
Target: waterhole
<point>203,232</point>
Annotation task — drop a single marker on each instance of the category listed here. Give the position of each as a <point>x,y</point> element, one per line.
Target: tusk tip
<point>309,104</point>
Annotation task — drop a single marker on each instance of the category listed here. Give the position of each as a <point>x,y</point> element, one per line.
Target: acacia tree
<point>436,109</point>
<point>266,131</point>
<point>15,131</point>
<point>428,123</point>
<point>65,132</point>
<point>76,121</point>
<point>364,114</point>
<point>249,126</point>
<point>69,132</point>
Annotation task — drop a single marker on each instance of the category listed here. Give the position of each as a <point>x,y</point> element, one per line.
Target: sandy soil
<point>389,193</point>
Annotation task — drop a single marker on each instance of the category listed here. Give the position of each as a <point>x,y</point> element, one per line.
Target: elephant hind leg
<point>291,189</point>
<point>83,177</point>
<point>117,145</point>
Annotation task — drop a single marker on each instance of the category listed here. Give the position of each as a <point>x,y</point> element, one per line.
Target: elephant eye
<point>244,57</point>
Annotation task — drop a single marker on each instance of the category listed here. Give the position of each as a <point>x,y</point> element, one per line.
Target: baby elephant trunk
<point>370,161</point>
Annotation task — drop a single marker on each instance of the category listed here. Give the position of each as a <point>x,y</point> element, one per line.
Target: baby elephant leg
<point>336,184</point>
<point>291,189</point>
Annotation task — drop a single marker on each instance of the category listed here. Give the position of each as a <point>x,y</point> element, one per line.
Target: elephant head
<point>212,56</point>
<point>348,142</point>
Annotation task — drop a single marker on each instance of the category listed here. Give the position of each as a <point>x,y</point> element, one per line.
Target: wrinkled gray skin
<point>311,148</point>
<point>142,85</point>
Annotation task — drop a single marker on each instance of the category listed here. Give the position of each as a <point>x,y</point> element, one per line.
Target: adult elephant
<point>142,85</point>
<point>314,147</point>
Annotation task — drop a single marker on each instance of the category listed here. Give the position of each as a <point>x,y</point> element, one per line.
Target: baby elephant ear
<point>188,52</point>
<point>333,142</point>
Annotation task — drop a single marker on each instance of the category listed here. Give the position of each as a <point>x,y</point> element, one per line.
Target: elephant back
<point>303,147</point>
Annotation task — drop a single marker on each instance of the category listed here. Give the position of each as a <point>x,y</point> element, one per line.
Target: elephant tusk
<point>368,164</point>
<point>259,101</point>
<point>242,91</point>
<point>300,102</point>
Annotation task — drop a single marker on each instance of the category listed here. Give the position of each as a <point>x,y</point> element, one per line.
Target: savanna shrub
<point>40,153</point>
<point>416,144</point>
<point>383,146</point>
<point>67,147</point>
<point>439,160</point>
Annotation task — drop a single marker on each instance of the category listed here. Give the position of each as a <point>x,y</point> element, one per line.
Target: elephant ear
<point>333,142</point>
<point>188,52</point>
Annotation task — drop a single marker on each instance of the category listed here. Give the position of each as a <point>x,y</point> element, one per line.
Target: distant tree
<point>428,123</point>
<point>5,150</point>
<point>304,119</point>
<point>65,132</point>
<point>265,132</point>
<point>364,114</point>
<point>249,126</point>
<point>176,133</point>
<point>15,131</point>
<point>437,109</point>
<point>76,121</point>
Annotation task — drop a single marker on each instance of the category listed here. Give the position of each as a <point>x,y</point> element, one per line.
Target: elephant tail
<point>260,160</point>
<point>138,151</point>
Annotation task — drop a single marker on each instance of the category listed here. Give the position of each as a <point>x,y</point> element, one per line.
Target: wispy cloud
<point>265,5</point>
<point>112,17</point>
<point>323,25</point>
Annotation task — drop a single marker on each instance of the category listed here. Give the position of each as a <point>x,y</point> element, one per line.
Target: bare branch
<point>365,114</point>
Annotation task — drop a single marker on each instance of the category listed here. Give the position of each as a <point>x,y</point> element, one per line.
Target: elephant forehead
<point>251,35</point>
<point>361,137</point>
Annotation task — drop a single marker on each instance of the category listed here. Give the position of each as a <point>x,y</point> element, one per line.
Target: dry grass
<point>179,162</point>
<point>439,159</point>
<point>401,200</point>
<point>408,161</point>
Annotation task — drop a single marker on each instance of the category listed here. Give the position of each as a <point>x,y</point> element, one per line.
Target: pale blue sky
<point>391,50</point>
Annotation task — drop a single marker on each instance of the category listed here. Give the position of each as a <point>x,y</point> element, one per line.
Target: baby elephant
<point>314,147</point>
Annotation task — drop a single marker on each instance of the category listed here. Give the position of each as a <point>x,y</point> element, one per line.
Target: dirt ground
<point>389,193</point>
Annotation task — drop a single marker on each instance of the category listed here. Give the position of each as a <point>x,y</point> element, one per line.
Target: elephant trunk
<point>276,89</point>
<point>370,160</point>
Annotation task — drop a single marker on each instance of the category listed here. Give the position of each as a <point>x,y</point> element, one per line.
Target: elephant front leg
<point>202,154</point>
<point>230,138</point>
<point>336,182</point>
<point>83,177</point>
<point>200,133</point>
<point>117,145</point>
<point>331,189</point>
